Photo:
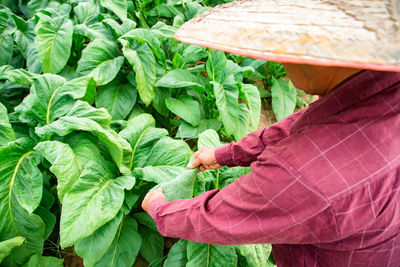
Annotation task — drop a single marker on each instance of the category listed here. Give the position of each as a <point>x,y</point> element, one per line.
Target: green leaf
<point>253,101</point>
<point>177,255</point>
<point>144,64</point>
<point>186,130</point>
<point>119,7</point>
<point>48,218</point>
<point>19,76</point>
<point>44,261</point>
<point>209,138</point>
<point>152,245</point>
<point>52,97</point>
<point>179,187</point>
<point>85,148</point>
<point>207,255</point>
<point>147,35</point>
<point>84,10</point>
<point>255,255</point>
<point>102,60</point>
<point>93,248</point>
<point>7,246</point>
<point>20,194</point>
<point>63,164</point>
<point>186,108</point>
<point>144,218</point>
<point>93,200</point>
<point>179,78</point>
<point>215,65</point>
<point>53,42</point>
<point>6,132</point>
<point>243,123</point>
<point>118,29</point>
<point>226,97</point>
<point>125,246</point>
<point>83,117</point>
<point>6,39</point>
<point>117,98</point>
<point>283,98</point>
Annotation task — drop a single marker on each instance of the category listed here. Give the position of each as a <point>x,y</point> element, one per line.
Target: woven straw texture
<point>356,33</point>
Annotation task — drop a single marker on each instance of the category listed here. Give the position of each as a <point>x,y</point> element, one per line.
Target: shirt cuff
<point>154,206</point>
<point>223,155</point>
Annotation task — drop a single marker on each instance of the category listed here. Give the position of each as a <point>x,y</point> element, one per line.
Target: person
<point>324,188</point>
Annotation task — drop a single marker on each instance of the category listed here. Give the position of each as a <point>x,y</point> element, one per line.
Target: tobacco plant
<point>92,96</point>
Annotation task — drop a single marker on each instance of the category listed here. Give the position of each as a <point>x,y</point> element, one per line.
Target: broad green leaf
<point>193,53</point>
<point>160,94</point>
<point>168,151</point>
<point>64,165</point>
<point>141,135</point>
<point>209,138</point>
<point>253,101</point>
<point>228,106</point>
<point>179,187</point>
<point>255,255</point>
<point>53,42</point>
<point>119,7</point>
<point>102,60</point>
<point>120,29</point>
<point>146,35</point>
<point>83,117</point>
<point>163,30</point>
<point>94,199</point>
<point>117,98</point>
<point>48,218</point>
<point>24,35</point>
<point>7,246</point>
<point>52,97</point>
<point>19,76</point>
<point>164,10</point>
<point>6,132</point>
<point>86,148</point>
<point>186,130</point>
<point>20,194</point>
<point>179,78</point>
<point>177,255</point>
<point>144,218</point>
<point>215,65</point>
<point>94,31</point>
<point>84,10</point>
<point>44,261</point>
<point>283,98</point>
<point>159,174</point>
<point>32,60</point>
<point>152,245</point>
<point>6,38</point>
<point>186,108</point>
<point>144,64</point>
<point>207,255</point>
<point>125,246</point>
<point>243,123</point>
<point>92,248</point>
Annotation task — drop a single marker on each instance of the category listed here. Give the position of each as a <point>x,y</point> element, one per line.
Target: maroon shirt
<point>324,187</point>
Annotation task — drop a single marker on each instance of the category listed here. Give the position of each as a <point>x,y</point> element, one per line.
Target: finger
<point>194,163</point>
<point>201,168</point>
<point>197,153</point>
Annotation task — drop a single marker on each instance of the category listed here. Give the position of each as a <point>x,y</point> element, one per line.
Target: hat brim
<point>243,28</point>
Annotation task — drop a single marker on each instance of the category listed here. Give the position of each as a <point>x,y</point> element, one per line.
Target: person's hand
<point>205,159</point>
<point>150,196</point>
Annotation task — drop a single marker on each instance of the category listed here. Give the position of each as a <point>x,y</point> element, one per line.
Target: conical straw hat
<point>349,33</point>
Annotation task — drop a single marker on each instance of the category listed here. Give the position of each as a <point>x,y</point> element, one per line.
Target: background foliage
<point>99,104</point>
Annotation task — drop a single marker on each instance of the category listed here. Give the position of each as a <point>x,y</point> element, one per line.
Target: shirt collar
<point>354,89</point>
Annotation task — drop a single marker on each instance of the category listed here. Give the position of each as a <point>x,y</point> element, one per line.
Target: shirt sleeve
<point>271,204</point>
<point>245,151</point>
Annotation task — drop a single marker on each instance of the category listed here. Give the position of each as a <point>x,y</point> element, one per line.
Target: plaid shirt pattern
<point>324,187</point>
